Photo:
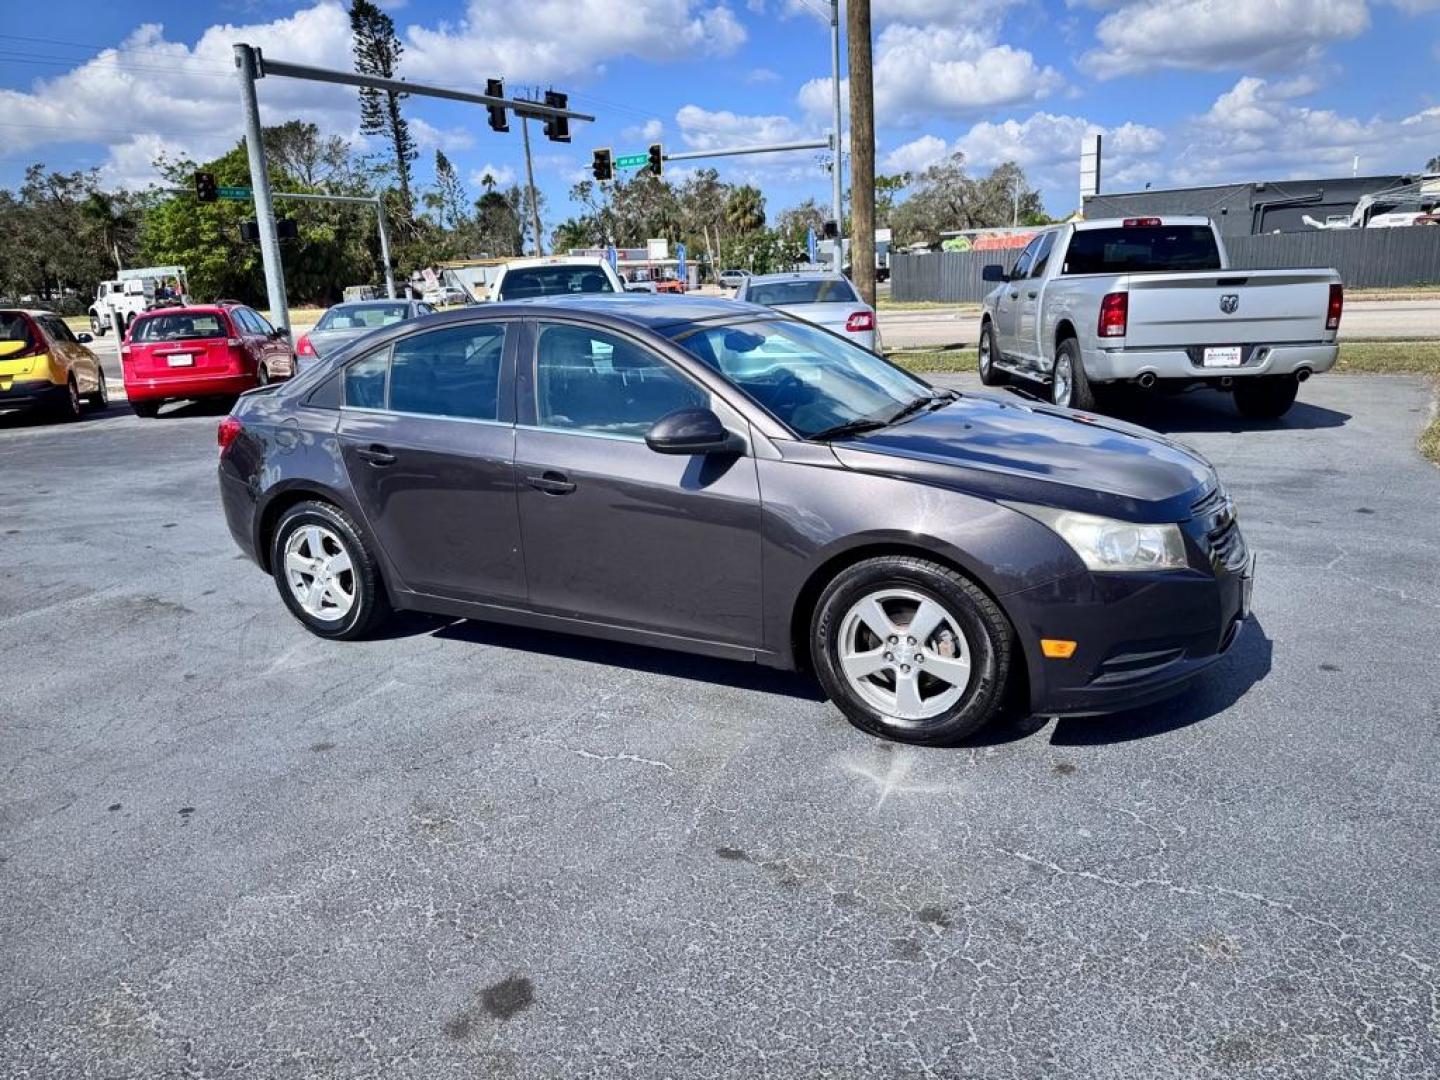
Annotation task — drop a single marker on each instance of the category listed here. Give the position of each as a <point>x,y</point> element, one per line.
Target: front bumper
<point>31,393</point>
<point>1111,365</point>
<point>1140,637</point>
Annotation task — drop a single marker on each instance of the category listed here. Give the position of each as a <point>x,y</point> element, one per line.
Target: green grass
<point>1389,357</point>
<point>884,303</point>
<point>931,361</point>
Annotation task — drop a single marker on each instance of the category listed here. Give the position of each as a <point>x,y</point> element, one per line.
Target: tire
<point>71,406</point>
<point>320,533</point>
<point>96,326</point>
<point>1268,397</point>
<point>1075,387</point>
<point>901,586</point>
<point>147,410</point>
<point>990,375</point>
<point>262,375</point>
<point>100,399</point>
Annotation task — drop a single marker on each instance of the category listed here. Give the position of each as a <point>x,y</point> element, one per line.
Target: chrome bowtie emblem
<point>1229,303</point>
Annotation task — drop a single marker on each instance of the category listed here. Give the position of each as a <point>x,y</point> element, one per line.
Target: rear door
<point>275,349</point>
<point>428,438</point>
<point>79,361</point>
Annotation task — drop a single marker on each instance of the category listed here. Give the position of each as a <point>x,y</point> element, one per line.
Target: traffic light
<point>832,230</point>
<point>603,167</point>
<point>205,187</point>
<point>657,159</point>
<point>498,120</point>
<point>285,229</point>
<point>250,232</point>
<point>557,128</point>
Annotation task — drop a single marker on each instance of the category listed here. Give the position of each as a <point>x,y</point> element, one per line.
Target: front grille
<point>1216,515</point>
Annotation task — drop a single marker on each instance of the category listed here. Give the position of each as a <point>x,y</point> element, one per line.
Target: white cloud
<point>759,75</point>
<point>165,95</point>
<point>547,39</point>
<point>931,70</point>
<point>917,155</point>
<point>704,129</point>
<point>502,175</point>
<point>648,132</point>
<point>1213,35</point>
<point>429,137</point>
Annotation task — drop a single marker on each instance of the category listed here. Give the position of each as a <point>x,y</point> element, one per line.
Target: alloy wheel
<point>985,360</point>
<point>1064,381</point>
<point>319,572</point>
<point>905,655</point>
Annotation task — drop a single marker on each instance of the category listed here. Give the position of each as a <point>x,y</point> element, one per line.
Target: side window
<point>261,324</point>
<point>453,372</point>
<point>424,309</point>
<point>591,380</point>
<point>243,321</point>
<point>1022,264</point>
<point>1047,242</point>
<point>365,381</point>
<point>57,329</point>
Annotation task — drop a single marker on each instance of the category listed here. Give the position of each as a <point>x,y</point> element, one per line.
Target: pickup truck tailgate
<point>1232,307</point>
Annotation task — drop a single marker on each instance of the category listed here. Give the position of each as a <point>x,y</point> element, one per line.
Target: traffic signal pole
<point>839,144</point>
<point>246,61</point>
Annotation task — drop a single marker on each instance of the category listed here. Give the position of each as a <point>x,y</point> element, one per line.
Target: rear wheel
<point>100,397</point>
<point>911,650</point>
<point>147,409</point>
<point>1268,397</point>
<point>263,375</point>
<point>990,375</point>
<point>1069,387</point>
<point>327,577</point>
<point>70,406</point>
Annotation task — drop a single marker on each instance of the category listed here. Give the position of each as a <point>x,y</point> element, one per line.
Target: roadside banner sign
<point>810,244</point>
<point>680,261</point>
<point>612,256</point>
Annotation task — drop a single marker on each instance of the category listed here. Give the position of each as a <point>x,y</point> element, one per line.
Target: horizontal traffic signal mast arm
<point>288,70</point>
<point>809,144</point>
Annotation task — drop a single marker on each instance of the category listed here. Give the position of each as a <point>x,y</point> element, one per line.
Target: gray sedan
<point>827,300</point>
<point>343,323</point>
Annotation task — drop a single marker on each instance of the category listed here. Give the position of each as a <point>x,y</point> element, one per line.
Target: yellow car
<point>45,366</point>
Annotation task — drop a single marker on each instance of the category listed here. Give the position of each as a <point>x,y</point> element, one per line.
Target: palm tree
<point>745,210</point>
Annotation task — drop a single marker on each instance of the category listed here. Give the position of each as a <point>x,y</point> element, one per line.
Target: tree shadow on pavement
<point>1209,694</point>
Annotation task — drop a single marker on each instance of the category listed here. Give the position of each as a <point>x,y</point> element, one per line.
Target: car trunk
<point>831,316</point>
<point>325,342</point>
<point>1228,307</point>
<point>184,356</point>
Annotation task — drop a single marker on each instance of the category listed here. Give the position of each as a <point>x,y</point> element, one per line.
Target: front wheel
<point>100,396</point>
<point>97,327</point>
<point>326,575</point>
<point>1069,387</point>
<point>1268,397</point>
<point>911,650</point>
<point>990,375</point>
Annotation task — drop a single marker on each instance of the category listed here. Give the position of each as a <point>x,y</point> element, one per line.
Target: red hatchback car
<point>207,350</point>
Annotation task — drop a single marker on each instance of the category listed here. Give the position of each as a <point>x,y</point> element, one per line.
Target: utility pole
<point>839,145</point>
<point>246,64</point>
<point>530,186</point>
<point>862,150</point>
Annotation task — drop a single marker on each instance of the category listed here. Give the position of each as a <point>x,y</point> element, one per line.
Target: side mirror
<point>84,339</point>
<point>280,332</point>
<point>993,272</point>
<point>692,431</point>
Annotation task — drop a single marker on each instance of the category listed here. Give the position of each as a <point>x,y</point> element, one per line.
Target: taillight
<point>228,431</point>
<point>303,346</point>
<point>1114,313</point>
<point>861,320</point>
<point>1335,307</point>
<point>1141,222</point>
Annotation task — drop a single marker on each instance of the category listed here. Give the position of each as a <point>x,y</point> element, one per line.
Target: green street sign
<point>236,193</point>
<point>629,161</point>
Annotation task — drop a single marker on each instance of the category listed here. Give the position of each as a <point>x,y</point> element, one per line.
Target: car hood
<point>1014,450</point>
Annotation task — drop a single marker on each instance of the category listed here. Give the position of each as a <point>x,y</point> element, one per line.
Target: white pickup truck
<point>135,291</point>
<point>1152,301</point>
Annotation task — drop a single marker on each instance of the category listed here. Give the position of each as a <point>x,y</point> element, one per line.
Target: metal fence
<point>1365,258</point>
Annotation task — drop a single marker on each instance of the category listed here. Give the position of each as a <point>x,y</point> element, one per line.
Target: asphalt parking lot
<point>230,848</point>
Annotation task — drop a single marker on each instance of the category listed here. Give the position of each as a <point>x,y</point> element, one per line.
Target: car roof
<point>382,302</point>
<point>34,313</point>
<point>553,260</point>
<point>191,309</point>
<point>652,311</point>
<point>798,275</point>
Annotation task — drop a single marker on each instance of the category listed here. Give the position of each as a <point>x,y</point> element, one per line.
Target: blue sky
<point>1186,91</point>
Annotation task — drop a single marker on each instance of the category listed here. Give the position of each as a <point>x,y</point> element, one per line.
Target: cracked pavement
<point>230,848</point>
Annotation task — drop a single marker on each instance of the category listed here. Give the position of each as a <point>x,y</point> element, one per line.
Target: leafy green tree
<point>947,198</point>
<point>795,223</point>
<point>448,199</point>
<point>745,210</point>
<point>377,52</point>
<point>1433,165</point>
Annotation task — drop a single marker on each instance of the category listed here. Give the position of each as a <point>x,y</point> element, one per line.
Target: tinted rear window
<point>553,281</point>
<point>362,317</point>
<point>780,293</point>
<point>178,327</point>
<point>14,333</point>
<point>1142,248</point>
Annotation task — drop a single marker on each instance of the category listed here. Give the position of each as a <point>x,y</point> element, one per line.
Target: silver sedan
<point>343,323</point>
<point>827,300</point>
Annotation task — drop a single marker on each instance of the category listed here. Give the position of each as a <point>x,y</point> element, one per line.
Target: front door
<point>1027,319</point>
<point>427,434</point>
<point>1007,307</point>
<point>614,532</point>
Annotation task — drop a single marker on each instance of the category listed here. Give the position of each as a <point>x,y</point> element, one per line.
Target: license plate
<point>181,360</point>
<point>1224,356</point>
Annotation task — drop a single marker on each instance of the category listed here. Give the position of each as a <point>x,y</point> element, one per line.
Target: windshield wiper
<point>849,427</point>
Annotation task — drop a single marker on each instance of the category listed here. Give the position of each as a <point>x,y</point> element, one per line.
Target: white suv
<point>554,275</point>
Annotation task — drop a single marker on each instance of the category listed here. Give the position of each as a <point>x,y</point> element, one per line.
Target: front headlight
<point>1106,544</point>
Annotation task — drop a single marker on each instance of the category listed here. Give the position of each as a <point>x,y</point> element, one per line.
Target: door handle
<point>551,483</point>
<point>1015,295</point>
<point>1032,295</point>
<point>376,455</point>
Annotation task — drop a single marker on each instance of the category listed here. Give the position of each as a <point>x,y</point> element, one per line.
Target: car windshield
<point>805,291</point>
<point>362,316</point>
<point>808,379</point>
<point>553,281</point>
<point>1140,248</point>
<point>179,327</point>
